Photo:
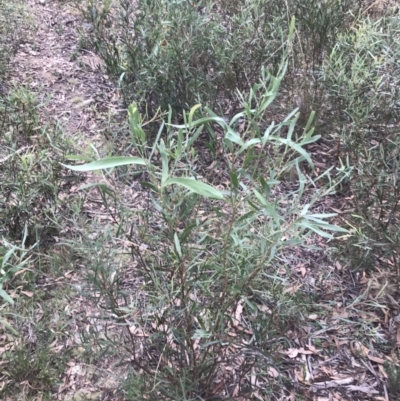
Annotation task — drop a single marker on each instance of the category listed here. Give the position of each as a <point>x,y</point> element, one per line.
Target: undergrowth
<point>188,261</point>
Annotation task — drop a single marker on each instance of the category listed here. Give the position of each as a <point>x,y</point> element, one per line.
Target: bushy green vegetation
<point>243,118</point>
<point>177,53</point>
<point>208,257</point>
<point>31,217</point>
<point>12,21</point>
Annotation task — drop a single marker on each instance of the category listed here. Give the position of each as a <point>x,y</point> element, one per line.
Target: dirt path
<point>69,81</point>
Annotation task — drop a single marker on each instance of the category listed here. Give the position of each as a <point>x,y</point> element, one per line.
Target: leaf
<point>6,297</point>
<point>234,180</point>
<point>267,206</point>
<point>196,186</point>
<point>316,229</point>
<point>9,327</point>
<point>135,122</point>
<point>249,143</point>
<point>177,245</point>
<point>233,136</point>
<point>297,148</point>
<point>107,162</point>
<point>191,113</point>
<point>164,160</point>
<point>201,121</point>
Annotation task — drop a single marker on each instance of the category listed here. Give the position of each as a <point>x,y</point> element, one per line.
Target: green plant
<point>9,254</point>
<point>30,175</point>
<point>178,53</point>
<point>318,26</point>
<point>363,78</point>
<point>19,113</point>
<point>12,259</point>
<point>207,307</point>
<point>31,369</point>
<point>12,21</point>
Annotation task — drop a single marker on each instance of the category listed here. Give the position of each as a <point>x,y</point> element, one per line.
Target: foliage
<point>31,366</point>
<point>190,281</point>
<point>318,26</point>
<point>30,174</point>
<point>12,21</point>
<point>363,77</point>
<point>8,266</point>
<point>176,53</point>
<point>206,249</point>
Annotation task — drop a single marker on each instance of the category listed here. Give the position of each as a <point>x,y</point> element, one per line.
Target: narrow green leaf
<point>164,160</point>
<point>267,206</point>
<point>9,327</point>
<point>310,121</point>
<point>316,229</point>
<point>107,162</point>
<point>135,122</point>
<point>267,133</point>
<point>249,143</point>
<point>177,245</point>
<point>297,148</point>
<point>233,136</point>
<point>191,113</point>
<point>202,121</point>
<point>160,130</point>
<point>186,233</point>
<point>234,180</point>
<point>6,297</point>
<point>7,256</point>
<point>133,112</point>
<point>291,27</point>
<point>197,187</point>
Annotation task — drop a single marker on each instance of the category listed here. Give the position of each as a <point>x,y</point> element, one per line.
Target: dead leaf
<point>292,289</point>
<point>363,389</point>
<point>27,293</point>
<point>238,314</point>
<point>340,314</point>
<point>313,349</point>
<point>382,371</point>
<point>264,308</point>
<point>359,348</point>
<point>375,359</point>
<point>293,352</point>
<point>332,383</point>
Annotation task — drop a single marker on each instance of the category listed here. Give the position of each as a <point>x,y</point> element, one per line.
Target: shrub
<point>207,307</point>
<point>363,77</point>
<point>30,174</point>
<point>175,53</point>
